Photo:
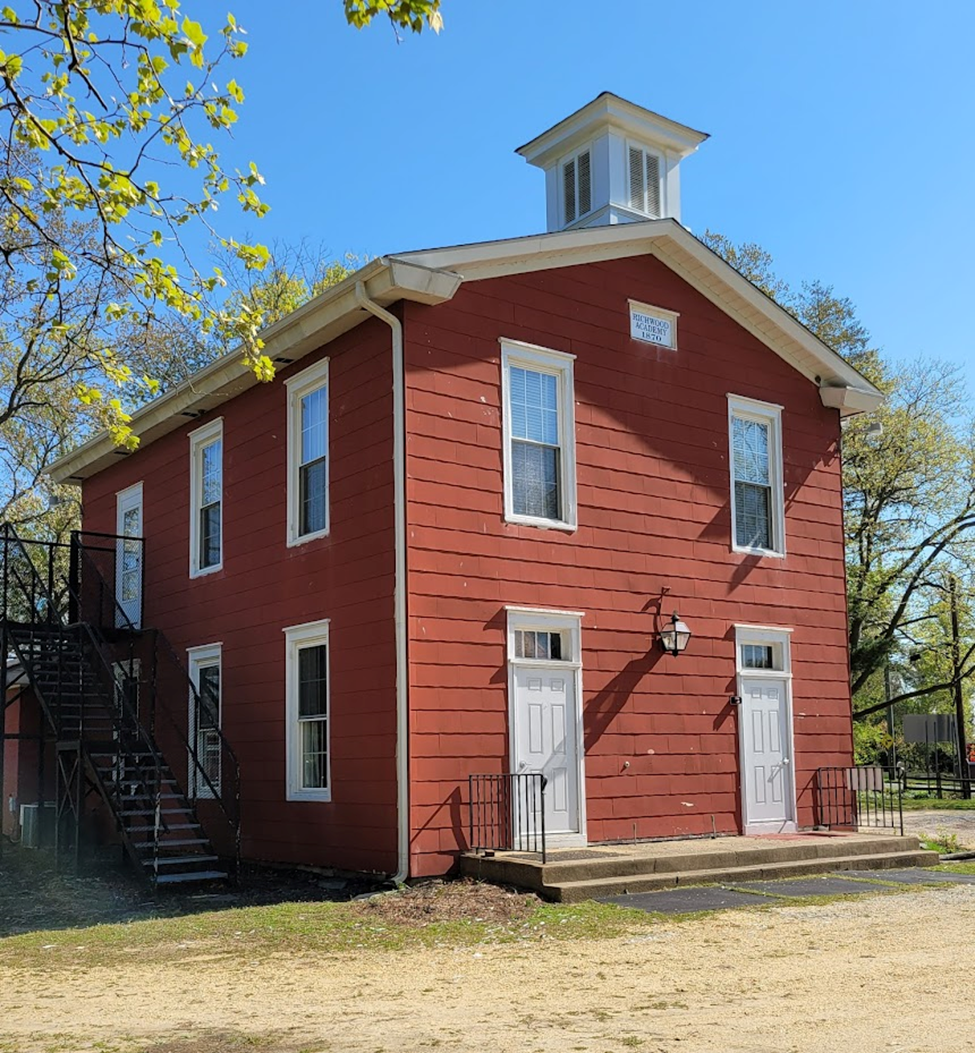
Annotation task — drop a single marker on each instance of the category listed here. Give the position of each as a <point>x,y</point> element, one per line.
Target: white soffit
<point>433,276</point>
<point>691,260</point>
<point>307,329</point>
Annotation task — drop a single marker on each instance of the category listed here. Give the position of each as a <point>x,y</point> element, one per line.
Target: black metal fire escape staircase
<point>110,693</point>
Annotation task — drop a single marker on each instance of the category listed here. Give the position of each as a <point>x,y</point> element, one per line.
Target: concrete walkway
<point>771,893</point>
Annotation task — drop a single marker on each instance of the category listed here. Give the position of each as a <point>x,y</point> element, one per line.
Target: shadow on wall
<point>607,703</point>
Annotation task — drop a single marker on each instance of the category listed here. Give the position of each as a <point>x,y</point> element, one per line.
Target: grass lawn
<point>316,928</point>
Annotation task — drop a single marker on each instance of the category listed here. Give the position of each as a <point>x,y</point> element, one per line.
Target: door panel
<point>766,757</point>
<point>545,740</point>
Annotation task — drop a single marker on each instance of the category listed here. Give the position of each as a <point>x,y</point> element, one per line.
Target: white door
<point>128,557</point>
<point>766,754</point>
<point>545,741</point>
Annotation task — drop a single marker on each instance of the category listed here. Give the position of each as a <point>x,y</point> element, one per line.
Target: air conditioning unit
<point>34,824</point>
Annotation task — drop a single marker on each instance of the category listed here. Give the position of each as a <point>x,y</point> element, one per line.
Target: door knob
<point>785,760</point>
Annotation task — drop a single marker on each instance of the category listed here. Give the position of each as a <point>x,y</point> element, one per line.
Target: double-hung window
<point>206,498</point>
<point>204,721</point>
<point>307,704</point>
<point>539,436</point>
<point>308,454</point>
<point>757,510</point>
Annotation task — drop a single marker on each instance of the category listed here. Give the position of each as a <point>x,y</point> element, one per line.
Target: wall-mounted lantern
<point>675,635</point>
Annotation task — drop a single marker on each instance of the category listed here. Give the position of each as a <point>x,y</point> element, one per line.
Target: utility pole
<point>963,769</point>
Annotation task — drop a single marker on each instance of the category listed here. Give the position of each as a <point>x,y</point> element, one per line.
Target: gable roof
<point>432,276</point>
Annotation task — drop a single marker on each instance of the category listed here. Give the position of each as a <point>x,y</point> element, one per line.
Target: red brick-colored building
<point>448,539</point>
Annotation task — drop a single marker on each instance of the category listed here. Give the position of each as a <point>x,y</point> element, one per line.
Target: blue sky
<point>842,134</point>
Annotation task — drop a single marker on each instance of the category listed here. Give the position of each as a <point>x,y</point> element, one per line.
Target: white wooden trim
<point>770,414</point>
<point>570,621</point>
<point>197,658</point>
<point>200,438</point>
<point>298,386</point>
<point>297,636</point>
<point>781,637</point>
<point>560,365</point>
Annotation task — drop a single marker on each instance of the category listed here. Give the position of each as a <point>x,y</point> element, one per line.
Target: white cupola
<point>611,162</point>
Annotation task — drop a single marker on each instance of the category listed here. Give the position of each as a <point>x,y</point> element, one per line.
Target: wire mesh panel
<point>507,812</point>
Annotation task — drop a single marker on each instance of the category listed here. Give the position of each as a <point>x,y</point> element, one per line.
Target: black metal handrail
<point>36,596</point>
<point>171,693</point>
<point>507,812</point>
<point>859,796</point>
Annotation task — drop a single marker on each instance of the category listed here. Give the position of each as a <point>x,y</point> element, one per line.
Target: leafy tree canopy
<point>109,112</point>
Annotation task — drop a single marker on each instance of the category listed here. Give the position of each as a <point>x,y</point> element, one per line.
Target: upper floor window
<point>308,454</point>
<point>757,507</point>
<point>643,181</point>
<point>576,186</point>
<point>206,498</point>
<point>307,701</point>
<point>539,436</point>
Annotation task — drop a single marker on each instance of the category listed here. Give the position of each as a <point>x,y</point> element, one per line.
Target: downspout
<point>399,582</point>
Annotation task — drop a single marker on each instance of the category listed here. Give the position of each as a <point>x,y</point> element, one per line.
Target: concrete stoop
<point>614,870</point>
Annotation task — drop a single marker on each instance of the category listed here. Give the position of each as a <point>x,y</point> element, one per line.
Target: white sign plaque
<point>652,327</point>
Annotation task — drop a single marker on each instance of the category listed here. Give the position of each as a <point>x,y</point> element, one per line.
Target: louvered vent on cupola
<point>644,171</point>
<point>576,187</point>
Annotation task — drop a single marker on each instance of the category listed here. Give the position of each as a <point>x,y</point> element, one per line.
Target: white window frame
<point>559,364</point>
<point>770,414</point>
<point>202,657</point>
<point>199,439</point>
<point>298,386</point>
<point>574,156</point>
<point>661,175</point>
<point>660,313</point>
<point>311,634</point>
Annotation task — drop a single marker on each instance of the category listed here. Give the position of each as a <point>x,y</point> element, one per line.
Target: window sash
<point>753,516</point>
<point>756,469</point>
<point>308,441</point>
<point>536,448</point>
<point>206,487</point>
<point>313,743</point>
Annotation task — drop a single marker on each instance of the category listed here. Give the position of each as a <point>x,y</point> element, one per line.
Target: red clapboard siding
<point>654,515</point>
<point>265,586</point>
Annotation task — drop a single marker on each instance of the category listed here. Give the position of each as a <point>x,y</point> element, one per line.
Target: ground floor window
<point>204,721</point>
<point>307,704</point>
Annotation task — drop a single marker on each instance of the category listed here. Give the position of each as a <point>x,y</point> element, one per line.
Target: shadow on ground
<point>34,896</point>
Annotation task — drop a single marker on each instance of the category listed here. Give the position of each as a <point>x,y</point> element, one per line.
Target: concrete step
<point>576,891</point>
<point>669,858</point>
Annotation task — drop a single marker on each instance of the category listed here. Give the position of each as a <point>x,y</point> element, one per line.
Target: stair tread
<point>686,877</point>
<point>197,875</point>
<point>171,861</point>
<point>164,842</point>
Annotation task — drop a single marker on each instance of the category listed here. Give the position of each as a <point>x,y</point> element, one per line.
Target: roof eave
<point>311,326</point>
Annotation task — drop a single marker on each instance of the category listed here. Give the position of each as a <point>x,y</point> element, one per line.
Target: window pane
<point>210,473</point>
<point>757,656</point>
<point>314,755</point>
<point>313,426</point>
<point>312,684</point>
<point>753,523</point>
<point>311,497</point>
<point>751,451</point>
<point>209,692</point>
<point>208,755</point>
<point>210,535</point>
<point>534,406</point>
<point>535,480</point>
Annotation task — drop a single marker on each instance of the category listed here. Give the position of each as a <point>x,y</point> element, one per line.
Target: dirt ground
<point>932,823</point>
<point>869,974</point>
